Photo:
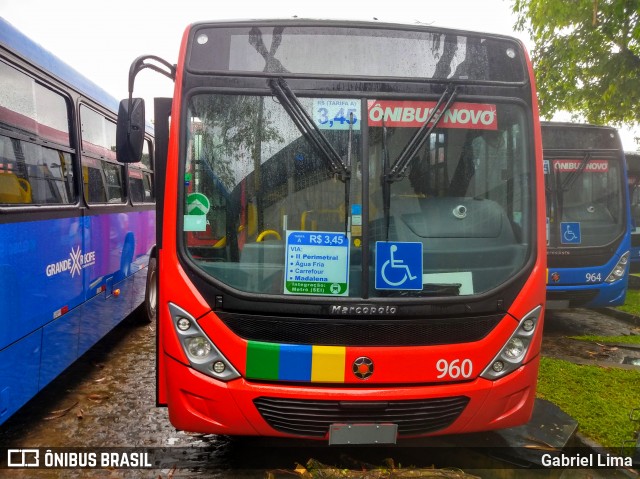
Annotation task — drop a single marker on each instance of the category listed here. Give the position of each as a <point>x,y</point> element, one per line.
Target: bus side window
<point>113,175</point>
<point>33,174</point>
<point>102,175</point>
<point>94,189</point>
<point>136,185</point>
<point>141,178</point>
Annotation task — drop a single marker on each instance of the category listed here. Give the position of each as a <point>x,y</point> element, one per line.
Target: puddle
<point>631,360</point>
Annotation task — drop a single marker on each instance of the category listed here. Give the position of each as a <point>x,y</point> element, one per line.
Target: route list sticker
<point>317,263</point>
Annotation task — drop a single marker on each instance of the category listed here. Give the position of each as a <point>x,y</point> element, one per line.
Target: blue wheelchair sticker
<point>398,265</point>
<point>570,233</point>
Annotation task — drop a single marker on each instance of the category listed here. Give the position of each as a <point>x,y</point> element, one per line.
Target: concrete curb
<point>616,313</point>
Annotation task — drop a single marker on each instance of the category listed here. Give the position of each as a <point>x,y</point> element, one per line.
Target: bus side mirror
<point>130,130</point>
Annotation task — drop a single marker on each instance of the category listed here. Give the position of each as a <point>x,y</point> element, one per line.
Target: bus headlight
<point>619,269</point>
<point>515,349</point>
<point>199,349</point>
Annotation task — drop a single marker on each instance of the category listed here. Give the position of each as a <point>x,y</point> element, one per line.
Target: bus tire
<point>151,291</point>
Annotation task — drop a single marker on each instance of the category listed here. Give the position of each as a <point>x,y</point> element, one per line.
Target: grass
<point>600,399</point>
<point>635,339</point>
<point>631,303</point>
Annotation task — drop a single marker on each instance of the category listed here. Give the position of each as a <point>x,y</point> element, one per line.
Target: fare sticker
<point>317,263</point>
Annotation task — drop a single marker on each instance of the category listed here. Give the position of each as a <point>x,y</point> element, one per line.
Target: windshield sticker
<point>336,114</point>
<point>317,263</point>
<point>197,204</point>
<point>593,166</point>
<point>570,233</point>
<point>548,231</point>
<point>194,223</point>
<point>197,207</point>
<point>413,114</point>
<point>398,265</point>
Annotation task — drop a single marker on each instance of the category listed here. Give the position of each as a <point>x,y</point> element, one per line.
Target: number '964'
<point>593,277</point>
<point>458,368</point>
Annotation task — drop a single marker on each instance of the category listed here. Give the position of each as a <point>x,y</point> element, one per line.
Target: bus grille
<point>576,298</point>
<point>358,332</point>
<point>313,418</point>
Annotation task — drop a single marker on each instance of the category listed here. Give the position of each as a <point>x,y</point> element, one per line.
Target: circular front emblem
<point>362,367</point>
<point>555,277</point>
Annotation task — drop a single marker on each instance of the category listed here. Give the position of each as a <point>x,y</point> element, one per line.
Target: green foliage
<point>635,339</point>
<point>586,57</point>
<point>600,399</point>
<point>232,130</point>
<point>632,302</point>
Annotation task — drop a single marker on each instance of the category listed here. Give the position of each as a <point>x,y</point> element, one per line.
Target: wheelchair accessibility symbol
<point>398,265</point>
<point>570,233</point>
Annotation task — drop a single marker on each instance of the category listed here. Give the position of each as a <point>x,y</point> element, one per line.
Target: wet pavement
<point>107,399</point>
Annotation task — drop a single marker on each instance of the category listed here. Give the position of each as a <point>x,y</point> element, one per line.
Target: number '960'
<point>458,368</point>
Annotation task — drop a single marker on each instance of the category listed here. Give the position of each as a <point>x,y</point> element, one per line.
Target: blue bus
<point>77,229</point>
<point>633,177</point>
<point>588,216</point>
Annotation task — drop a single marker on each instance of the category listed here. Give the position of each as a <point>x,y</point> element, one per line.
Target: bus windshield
<point>264,211</point>
<point>584,181</point>
<point>586,191</point>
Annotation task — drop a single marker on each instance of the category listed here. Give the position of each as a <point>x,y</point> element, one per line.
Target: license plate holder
<point>347,434</point>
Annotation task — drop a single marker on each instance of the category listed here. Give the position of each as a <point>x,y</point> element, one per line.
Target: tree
<point>586,57</point>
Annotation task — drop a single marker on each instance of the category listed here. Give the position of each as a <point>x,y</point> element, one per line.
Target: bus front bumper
<point>198,403</point>
<point>600,295</point>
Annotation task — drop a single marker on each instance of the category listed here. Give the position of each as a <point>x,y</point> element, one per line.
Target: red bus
<point>351,239</point>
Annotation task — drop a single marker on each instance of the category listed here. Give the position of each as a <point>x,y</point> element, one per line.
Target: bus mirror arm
<point>140,64</point>
<point>131,115</point>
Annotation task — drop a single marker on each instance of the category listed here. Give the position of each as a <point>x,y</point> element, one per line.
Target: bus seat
<point>13,189</point>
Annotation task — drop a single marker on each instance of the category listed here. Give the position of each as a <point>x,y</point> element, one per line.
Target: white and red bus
<point>351,241</point>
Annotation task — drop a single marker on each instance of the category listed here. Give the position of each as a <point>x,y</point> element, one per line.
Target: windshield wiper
<point>312,133</point>
<point>308,128</point>
<point>571,178</point>
<point>396,172</point>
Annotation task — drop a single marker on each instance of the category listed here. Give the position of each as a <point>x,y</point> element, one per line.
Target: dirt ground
<point>561,326</point>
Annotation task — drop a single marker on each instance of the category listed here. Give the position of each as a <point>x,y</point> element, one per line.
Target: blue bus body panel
<point>574,280</point>
<point>28,294</point>
<point>19,367</point>
<point>64,284</point>
<point>59,345</point>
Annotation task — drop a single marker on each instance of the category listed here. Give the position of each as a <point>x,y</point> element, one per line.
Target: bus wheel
<point>151,292</point>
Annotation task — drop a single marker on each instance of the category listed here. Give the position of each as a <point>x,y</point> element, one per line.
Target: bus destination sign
<point>317,263</point>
